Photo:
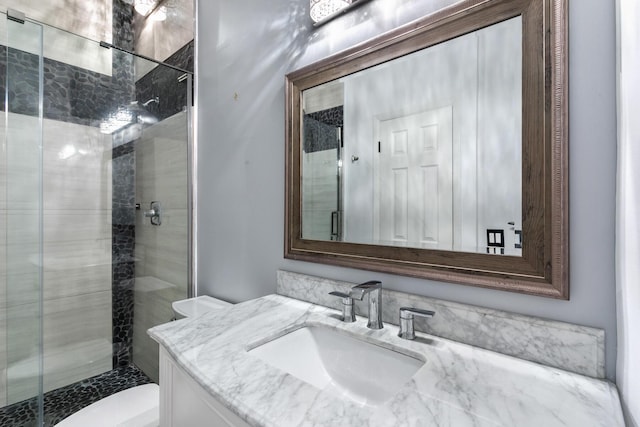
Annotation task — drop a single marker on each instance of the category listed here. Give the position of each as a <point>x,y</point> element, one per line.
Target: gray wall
<point>244,50</point>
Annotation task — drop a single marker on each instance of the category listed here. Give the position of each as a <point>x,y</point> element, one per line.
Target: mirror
<point>438,150</point>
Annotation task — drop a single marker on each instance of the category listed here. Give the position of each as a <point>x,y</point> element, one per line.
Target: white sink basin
<point>340,364</point>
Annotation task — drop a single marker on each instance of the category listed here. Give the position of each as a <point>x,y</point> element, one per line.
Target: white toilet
<point>138,406</point>
<point>134,407</point>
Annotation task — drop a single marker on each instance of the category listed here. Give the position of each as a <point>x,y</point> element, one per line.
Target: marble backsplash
<point>574,348</point>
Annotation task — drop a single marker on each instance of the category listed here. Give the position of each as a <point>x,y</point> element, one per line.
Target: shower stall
<point>95,216</point>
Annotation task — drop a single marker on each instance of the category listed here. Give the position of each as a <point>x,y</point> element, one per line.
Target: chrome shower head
<point>155,99</point>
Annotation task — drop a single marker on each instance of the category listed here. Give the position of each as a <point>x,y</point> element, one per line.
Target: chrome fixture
<point>374,289</point>
<point>154,213</point>
<point>348,315</point>
<point>135,112</point>
<point>155,99</point>
<point>16,16</point>
<point>406,321</point>
<point>141,113</point>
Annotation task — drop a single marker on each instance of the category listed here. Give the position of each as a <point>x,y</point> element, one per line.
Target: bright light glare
<point>116,121</point>
<point>144,7</point>
<point>67,152</point>
<point>160,14</point>
<point>321,9</point>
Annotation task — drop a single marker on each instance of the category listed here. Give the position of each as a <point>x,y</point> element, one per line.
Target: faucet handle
<point>348,315</point>
<point>406,321</point>
<point>345,297</point>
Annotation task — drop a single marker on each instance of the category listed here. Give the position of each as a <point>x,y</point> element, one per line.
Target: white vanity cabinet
<point>183,402</point>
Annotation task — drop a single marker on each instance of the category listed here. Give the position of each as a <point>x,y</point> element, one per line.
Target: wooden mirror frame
<point>543,268</point>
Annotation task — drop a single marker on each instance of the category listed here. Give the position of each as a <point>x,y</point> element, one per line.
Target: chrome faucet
<point>374,289</point>
<point>348,315</point>
<point>406,321</point>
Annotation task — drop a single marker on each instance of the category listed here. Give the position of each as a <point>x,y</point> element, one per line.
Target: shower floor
<point>62,402</point>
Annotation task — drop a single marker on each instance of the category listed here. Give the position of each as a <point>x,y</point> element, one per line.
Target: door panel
<point>415,181</point>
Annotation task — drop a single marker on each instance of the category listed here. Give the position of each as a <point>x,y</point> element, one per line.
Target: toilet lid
<point>193,307</point>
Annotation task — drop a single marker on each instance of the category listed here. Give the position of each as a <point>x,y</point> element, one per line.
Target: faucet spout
<point>374,289</point>
<point>362,289</point>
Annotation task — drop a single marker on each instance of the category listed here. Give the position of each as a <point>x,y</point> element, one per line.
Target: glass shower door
<point>162,219</point>
<point>21,362</point>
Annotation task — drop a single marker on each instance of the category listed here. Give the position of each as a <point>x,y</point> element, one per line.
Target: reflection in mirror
<point>424,151</point>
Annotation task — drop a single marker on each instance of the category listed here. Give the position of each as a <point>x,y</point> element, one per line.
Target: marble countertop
<point>459,385</point>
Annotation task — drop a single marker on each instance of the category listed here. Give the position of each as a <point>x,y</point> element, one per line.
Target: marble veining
<point>459,384</point>
<point>575,348</point>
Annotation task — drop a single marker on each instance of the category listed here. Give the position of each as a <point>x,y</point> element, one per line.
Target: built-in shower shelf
<point>152,284</point>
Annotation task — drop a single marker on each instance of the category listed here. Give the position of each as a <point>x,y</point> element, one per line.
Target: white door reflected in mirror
<point>413,189</point>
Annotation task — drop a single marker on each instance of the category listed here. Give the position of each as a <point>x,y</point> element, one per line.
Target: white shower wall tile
<point>23,287</point>
<point>22,161</point>
<point>76,267</point>
<point>3,167</point>
<point>160,251</point>
<point>152,299</point>
<point>161,159</point>
<point>151,39</point>
<point>78,225</point>
<point>77,164</point>
<point>76,281</point>
<point>22,365</point>
<point>3,265</point>
<point>566,346</point>
<point>3,356</point>
<point>21,257</point>
<point>76,343</point>
<point>76,338</point>
<point>91,19</point>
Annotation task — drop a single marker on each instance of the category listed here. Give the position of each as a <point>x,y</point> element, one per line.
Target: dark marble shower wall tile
<point>320,129</point>
<point>331,116</point>
<point>123,166</point>
<point>76,95</point>
<point>70,94</point>
<point>183,57</point>
<point>123,25</point>
<point>122,304</point>
<point>123,248</point>
<point>3,73</point>
<point>123,191</point>
<point>23,82</point>
<point>162,82</point>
